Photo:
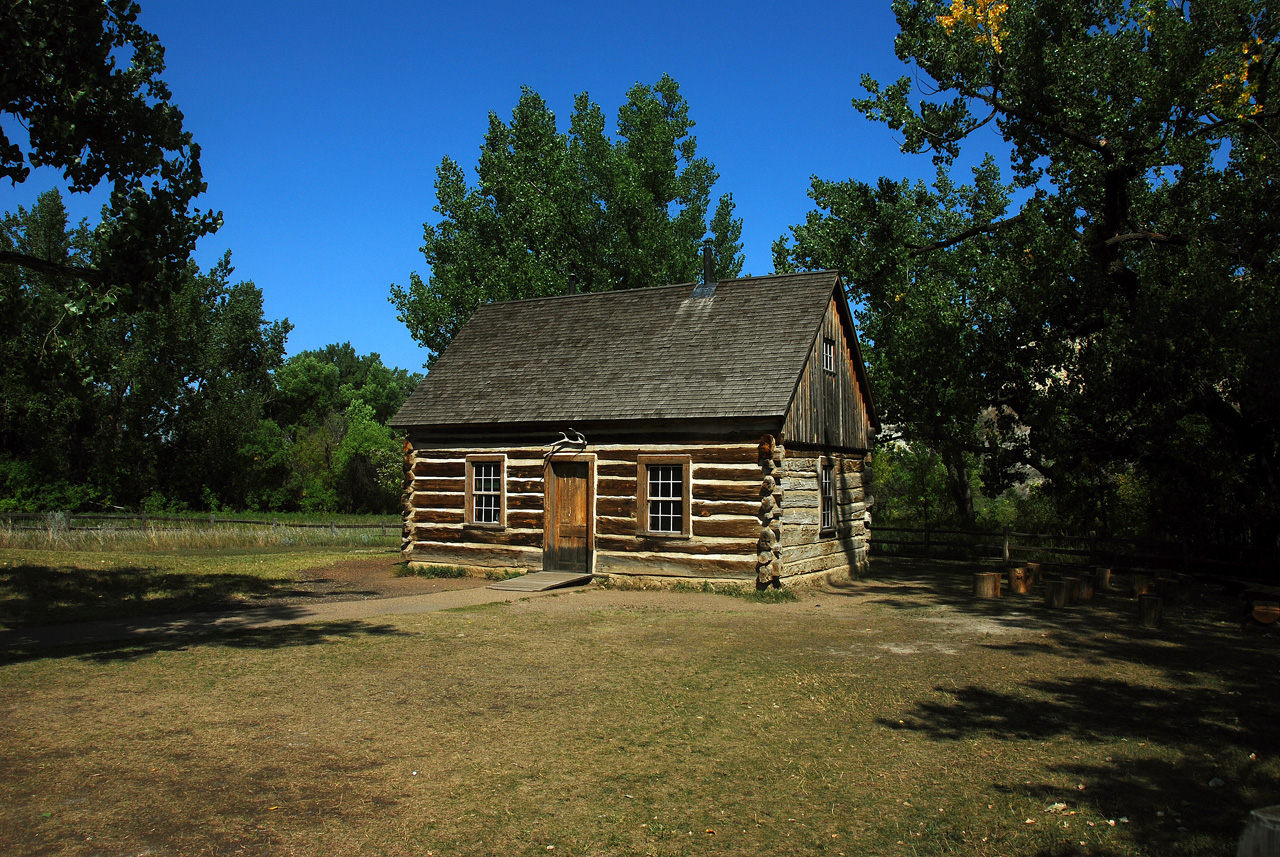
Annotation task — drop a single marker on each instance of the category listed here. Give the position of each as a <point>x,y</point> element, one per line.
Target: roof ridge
<point>658,288</point>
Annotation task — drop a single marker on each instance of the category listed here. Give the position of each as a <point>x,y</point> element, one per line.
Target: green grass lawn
<point>896,716</point>
<point>39,587</point>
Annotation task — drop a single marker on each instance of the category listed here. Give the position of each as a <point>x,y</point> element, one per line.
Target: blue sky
<point>321,124</point>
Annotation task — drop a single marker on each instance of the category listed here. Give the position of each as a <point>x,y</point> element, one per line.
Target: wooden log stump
<point>1086,589</point>
<point>1150,611</point>
<point>1055,593</point>
<point>1261,837</point>
<point>1102,579</point>
<point>1019,581</point>
<point>1073,589</point>
<point>1139,584</point>
<point>1034,571</point>
<point>986,584</point>
<point>1266,612</point>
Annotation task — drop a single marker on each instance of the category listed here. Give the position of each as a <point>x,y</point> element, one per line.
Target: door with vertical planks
<point>568,546</point>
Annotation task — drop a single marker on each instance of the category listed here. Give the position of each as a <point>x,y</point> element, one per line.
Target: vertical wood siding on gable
<point>828,410</point>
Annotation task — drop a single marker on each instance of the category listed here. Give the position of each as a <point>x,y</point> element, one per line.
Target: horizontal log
<point>675,566</point>
<point>525,520</point>
<point>525,486</point>
<point>616,469</point>
<point>703,508</point>
<point>827,547</point>
<point>433,485</point>
<point>616,526</point>
<point>677,547</point>
<point>440,469</point>
<point>463,451</point>
<point>729,528</point>
<point>744,491</point>
<point>831,562</point>
<point>489,556</point>
<point>423,499</point>
<point>748,473</point>
<point>524,501</point>
<point>437,516</point>
<point>618,507</point>
<point>525,471</point>
<point>617,487</point>
<point>468,535</point>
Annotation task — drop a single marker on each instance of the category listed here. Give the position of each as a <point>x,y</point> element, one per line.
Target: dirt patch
<point>363,578</point>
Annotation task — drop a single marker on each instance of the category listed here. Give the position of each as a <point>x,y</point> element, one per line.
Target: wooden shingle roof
<point>656,353</point>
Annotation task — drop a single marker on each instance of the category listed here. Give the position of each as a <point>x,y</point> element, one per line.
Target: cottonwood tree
<point>1129,295</point>
<point>81,79</point>
<point>623,212</point>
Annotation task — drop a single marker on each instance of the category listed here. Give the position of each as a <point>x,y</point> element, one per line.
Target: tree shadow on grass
<point>1179,755</point>
<point>46,595</point>
<point>150,641</point>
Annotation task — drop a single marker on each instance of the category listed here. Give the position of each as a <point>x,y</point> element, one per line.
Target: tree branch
<point>921,249</point>
<point>44,266</point>
<point>1152,237</point>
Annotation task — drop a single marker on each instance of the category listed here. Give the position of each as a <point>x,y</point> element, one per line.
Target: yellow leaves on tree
<point>983,17</point>
<point>1236,94</point>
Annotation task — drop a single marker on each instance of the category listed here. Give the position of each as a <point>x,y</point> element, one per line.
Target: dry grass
<point>195,536</point>
<point>895,716</point>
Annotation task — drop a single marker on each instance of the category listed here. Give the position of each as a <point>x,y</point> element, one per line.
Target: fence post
<point>1093,547</point>
<point>1006,545</point>
<point>927,539</point>
<point>384,527</point>
<point>211,520</point>
<point>333,527</point>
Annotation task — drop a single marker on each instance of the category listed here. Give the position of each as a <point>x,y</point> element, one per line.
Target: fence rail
<point>143,521</point>
<point>1068,549</point>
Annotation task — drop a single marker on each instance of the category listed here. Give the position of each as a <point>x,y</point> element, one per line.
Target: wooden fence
<point>68,521</point>
<point>1074,550</point>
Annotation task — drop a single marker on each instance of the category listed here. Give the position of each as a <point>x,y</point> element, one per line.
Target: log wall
<point>724,486</point>
<point>805,549</point>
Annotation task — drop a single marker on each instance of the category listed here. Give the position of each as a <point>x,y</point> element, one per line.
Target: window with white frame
<point>663,495</point>
<point>829,355</point>
<point>828,495</point>
<point>486,497</point>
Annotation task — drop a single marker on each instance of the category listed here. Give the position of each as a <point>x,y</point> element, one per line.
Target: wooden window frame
<point>469,512</point>
<point>828,355</point>
<point>643,463</point>
<point>826,464</point>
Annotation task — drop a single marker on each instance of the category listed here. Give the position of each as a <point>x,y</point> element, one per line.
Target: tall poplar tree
<point>610,213</point>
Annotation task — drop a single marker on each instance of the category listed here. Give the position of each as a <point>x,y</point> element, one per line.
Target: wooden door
<point>568,546</point>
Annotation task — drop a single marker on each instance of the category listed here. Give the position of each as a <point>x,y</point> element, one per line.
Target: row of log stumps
<point>769,545</point>
<point>1151,592</point>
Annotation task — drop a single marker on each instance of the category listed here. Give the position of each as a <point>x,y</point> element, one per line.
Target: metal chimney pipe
<point>573,284</point>
<point>708,263</point>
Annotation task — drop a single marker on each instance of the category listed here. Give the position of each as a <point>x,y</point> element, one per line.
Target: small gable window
<point>829,355</point>
<point>664,495</point>
<point>486,495</point>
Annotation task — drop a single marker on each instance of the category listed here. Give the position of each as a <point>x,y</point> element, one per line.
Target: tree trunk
<point>961,489</point>
<point>1019,581</point>
<point>1103,579</point>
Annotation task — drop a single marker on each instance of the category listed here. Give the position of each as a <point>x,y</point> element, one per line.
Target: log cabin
<point>710,431</point>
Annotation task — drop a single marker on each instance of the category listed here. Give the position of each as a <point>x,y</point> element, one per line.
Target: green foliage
<point>82,80</point>
<point>446,571</point>
<point>610,213</point>
<point>1106,316</point>
<point>190,405</point>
